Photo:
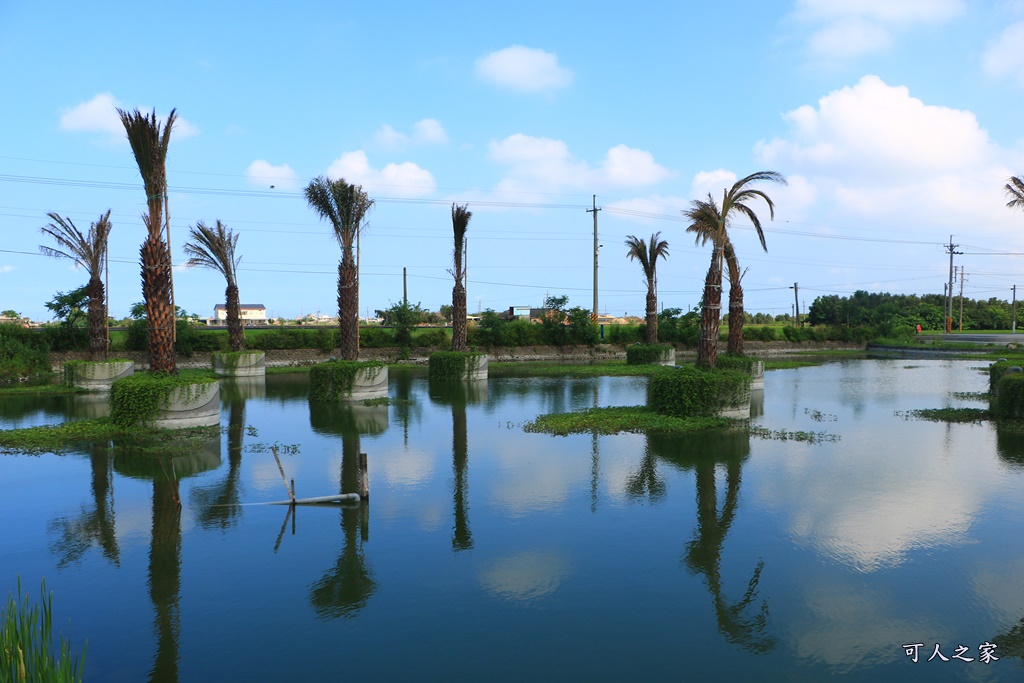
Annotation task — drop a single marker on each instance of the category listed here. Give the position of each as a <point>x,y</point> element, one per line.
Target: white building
<point>250,313</point>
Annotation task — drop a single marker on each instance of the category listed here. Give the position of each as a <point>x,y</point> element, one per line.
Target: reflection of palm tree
<point>218,505</point>
<point>1011,643</point>
<point>77,535</point>
<point>165,578</point>
<point>462,538</point>
<point>345,588</point>
<point>644,480</point>
<point>741,622</point>
<point>704,554</point>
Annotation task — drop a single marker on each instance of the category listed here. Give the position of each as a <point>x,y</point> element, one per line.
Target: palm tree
<point>735,299</point>
<point>90,252</point>
<point>344,205</point>
<point>647,253</point>
<point>460,223</point>
<point>711,222</point>
<point>149,145</point>
<point>215,248</point>
<point>1015,191</point>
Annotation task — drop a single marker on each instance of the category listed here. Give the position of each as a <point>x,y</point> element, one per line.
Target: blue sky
<point>896,122</point>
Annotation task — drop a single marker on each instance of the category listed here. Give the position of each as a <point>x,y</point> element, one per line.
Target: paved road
<point>978,338</point>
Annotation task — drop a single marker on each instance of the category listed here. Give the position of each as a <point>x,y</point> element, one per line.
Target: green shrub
<point>333,379</point>
<point>624,334</point>
<point>449,366</point>
<point>520,333</point>
<point>435,338</point>
<point>136,399</point>
<point>376,337</point>
<point>737,362</point>
<point>1009,401</point>
<point>645,354</point>
<point>996,372</point>
<point>22,353</point>
<point>693,392</point>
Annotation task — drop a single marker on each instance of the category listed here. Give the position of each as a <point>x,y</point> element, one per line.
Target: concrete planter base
<point>248,364</point>
<point>476,368</point>
<point>757,376</point>
<point>368,383</point>
<point>97,376</point>
<point>194,405</point>
<point>668,356</point>
<point>740,410</point>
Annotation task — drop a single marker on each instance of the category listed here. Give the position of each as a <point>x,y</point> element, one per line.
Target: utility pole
<point>796,299</point>
<point>405,289</point>
<point>594,211</point>
<point>949,296</point>
<point>1013,323</point>
<point>962,278</point>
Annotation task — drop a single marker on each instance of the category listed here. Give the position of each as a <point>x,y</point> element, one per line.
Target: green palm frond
<point>88,251</point>
<point>214,248</point>
<point>1015,191</point>
<point>460,224</point>
<point>149,142</point>
<point>705,220</point>
<point>647,253</point>
<point>342,204</point>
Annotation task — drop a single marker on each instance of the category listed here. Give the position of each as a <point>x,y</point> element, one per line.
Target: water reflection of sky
<point>621,556</point>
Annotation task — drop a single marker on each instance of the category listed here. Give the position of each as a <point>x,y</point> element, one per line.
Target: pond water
<point>487,553</point>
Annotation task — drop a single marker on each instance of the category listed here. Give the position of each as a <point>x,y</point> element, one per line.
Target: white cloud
<point>403,180</point>
<point>523,69</point>
<point>1005,57</point>
<point>429,131</point>
<point>845,30</point>
<point>880,127</point>
<point>99,115</point>
<point>424,132</point>
<point>263,174</point>
<point>873,150</point>
<point>6,268</point>
<point>546,165</point>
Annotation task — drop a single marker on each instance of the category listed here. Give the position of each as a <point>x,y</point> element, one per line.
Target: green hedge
<point>449,366</point>
<point>136,399</point>
<point>1009,403</point>
<point>333,379</point>
<point>22,353</point>
<point>733,361</point>
<point>996,372</point>
<point>692,392</point>
<point>645,354</point>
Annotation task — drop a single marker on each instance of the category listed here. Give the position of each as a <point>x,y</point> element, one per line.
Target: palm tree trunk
<point>735,302</point>
<point>236,337</point>
<point>459,317</point>
<point>97,319</point>
<point>156,291</point>
<point>711,312</point>
<point>348,322</point>
<point>735,319</point>
<point>651,334</point>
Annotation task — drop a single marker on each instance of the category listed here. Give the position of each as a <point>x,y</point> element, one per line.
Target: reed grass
<point>28,651</point>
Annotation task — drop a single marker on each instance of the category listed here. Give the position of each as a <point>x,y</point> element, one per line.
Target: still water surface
<point>490,554</point>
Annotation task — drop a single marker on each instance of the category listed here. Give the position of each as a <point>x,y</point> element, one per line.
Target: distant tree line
<point>894,313</point>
